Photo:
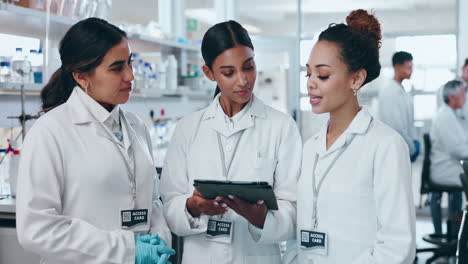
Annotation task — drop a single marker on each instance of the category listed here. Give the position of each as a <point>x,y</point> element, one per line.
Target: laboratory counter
<point>10,250</point>
<point>8,205</point>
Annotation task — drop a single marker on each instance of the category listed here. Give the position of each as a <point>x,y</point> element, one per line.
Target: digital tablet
<point>247,191</point>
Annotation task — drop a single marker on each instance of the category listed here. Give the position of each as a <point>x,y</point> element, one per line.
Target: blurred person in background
<point>395,107</point>
<point>449,142</point>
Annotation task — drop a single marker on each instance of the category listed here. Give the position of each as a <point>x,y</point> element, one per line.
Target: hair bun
<point>367,24</point>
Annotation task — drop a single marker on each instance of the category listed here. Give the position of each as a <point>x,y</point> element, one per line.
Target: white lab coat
<point>463,113</point>
<point>449,142</point>
<point>395,109</point>
<point>269,150</point>
<point>365,203</point>
<point>73,184</point>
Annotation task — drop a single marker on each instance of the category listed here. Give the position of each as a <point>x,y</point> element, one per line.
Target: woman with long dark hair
<point>236,138</point>
<point>88,189</point>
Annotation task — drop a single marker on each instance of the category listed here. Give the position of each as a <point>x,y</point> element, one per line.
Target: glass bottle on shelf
<point>26,69</point>
<point>36,66</point>
<point>171,76</point>
<point>147,77</point>
<point>5,71</point>
<point>17,66</point>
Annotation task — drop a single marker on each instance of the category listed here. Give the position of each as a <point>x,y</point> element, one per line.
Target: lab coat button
<point>228,148</point>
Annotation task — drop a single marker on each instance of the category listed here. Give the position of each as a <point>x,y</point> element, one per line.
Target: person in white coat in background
<point>449,140</point>
<point>463,113</point>
<point>87,187</point>
<point>354,199</point>
<point>236,138</point>
<point>395,106</point>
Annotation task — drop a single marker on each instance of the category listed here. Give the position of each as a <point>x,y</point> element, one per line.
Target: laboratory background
<point>165,38</point>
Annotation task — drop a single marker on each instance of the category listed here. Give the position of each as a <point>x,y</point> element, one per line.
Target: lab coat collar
<point>359,125</point>
<point>127,127</point>
<point>216,117</point>
<point>98,111</point>
<point>257,108</point>
<point>80,115</point>
<point>398,86</point>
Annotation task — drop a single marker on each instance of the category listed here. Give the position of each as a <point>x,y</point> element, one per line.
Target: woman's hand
<point>254,213</point>
<point>197,205</point>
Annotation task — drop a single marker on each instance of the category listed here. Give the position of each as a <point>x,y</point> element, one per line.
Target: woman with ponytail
<point>236,138</point>
<point>87,190</point>
<point>355,202</point>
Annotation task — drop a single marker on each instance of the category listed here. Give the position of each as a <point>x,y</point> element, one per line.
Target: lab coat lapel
<point>217,123</point>
<point>359,125</point>
<point>141,151</point>
<point>256,110</point>
<point>129,124</point>
<point>246,122</point>
<point>214,119</point>
<point>81,116</point>
<point>101,131</point>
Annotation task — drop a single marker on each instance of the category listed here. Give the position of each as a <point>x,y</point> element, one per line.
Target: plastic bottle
<point>17,66</point>
<point>147,76</point>
<point>138,72</point>
<point>152,83</point>
<point>27,73</point>
<point>162,70</point>
<point>171,77</point>
<point>37,67</point>
<point>21,67</point>
<point>5,71</point>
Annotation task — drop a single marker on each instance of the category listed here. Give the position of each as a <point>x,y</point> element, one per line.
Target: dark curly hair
<point>359,40</point>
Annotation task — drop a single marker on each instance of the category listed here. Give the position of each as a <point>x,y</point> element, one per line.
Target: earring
<point>86,88</point>
<point>355,92</point>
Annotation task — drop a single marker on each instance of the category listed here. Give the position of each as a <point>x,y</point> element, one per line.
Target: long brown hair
<point>81,50</point>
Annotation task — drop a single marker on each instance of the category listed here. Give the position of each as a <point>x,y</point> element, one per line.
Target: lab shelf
<point>23,21</point>
<point>7,206</point>
<point>193,95</point>
<point>30,89</point>
<point>162,42</point>
<point>199,95</point>
<point>28,22</point>
<point>35,90</point>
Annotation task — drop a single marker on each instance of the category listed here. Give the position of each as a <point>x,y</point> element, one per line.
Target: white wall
<point>462,32</point>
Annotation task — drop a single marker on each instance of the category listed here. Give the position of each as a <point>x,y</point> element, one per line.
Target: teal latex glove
<point>145,253</point>
<point>163,249</point>
<point>151,249</point>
